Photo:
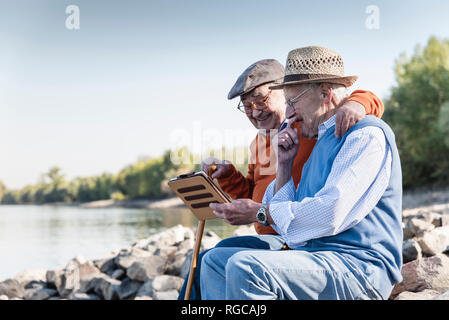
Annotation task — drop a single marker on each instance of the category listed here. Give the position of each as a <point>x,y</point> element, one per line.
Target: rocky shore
<point>154,268</point>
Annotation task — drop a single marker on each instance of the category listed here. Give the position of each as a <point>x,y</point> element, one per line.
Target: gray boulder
<point>166,283</point>
<point>418,227</point>
<point>127,288</point>
<point>68,280</point>
<point>143,269</point>
<point>165,295</point>
<point>411,250</point>
<point>84,296</point>
<point>426,273</point>
<point>33,275</point>
<point>427,294</point>
<point>12,289</point>
<point>146,290</point>
<point>435,241</point>
<point>128,256</point>
<point>39,293</point>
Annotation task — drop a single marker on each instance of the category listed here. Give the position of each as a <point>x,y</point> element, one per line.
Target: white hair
<point>340,91</point>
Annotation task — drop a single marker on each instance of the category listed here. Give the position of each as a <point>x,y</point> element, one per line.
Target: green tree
<point>2,190</point>
<point>418,112</point>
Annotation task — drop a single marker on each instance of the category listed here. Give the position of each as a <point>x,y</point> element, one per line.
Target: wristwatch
<point>262,215</point>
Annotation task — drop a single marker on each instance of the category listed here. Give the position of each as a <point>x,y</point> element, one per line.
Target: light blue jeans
<point>268,242</point>
<point>239,273</point>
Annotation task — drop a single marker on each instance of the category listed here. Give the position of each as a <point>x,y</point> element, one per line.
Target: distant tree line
<point>145,179</point>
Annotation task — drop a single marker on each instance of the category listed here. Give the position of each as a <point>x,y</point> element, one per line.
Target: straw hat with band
<point>314,64</point>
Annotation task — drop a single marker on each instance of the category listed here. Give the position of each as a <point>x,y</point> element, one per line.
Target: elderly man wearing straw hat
<point>342,225</point>
<point>265,109</point>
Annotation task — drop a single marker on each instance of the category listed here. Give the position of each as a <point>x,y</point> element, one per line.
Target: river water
<point>47,237</point>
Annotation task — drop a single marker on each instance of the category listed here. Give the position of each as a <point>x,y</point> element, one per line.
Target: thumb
<point>291,122</point>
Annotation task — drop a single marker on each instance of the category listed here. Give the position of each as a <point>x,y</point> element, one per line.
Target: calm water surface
<point>47,237</point>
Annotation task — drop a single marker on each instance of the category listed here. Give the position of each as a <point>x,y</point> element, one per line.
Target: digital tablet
<point>197,190</point>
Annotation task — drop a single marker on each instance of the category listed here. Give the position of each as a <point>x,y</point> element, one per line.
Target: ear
<point>326,93</point>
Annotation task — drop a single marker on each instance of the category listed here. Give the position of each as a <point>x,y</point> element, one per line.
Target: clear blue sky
<point>93,100</point>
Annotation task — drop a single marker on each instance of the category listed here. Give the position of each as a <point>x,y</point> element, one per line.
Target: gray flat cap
<point>261,72</point>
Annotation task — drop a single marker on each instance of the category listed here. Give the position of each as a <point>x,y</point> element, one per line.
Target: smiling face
<point>272,103</point>
<point>309,109</point>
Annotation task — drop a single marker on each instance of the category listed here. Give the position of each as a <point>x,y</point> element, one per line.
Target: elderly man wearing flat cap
<point>341,227</point>
<point>265,109</point>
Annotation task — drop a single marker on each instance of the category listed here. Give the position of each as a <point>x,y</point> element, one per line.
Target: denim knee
<point>240,264</point>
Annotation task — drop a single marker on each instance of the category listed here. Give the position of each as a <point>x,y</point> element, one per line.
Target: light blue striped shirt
<point>358,179</point>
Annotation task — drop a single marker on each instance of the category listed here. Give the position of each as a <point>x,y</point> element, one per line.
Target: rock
<point>166,251</point>
<point>435,241</point>
<point>244,230</point>
<point>27,276</point>
<point>146,290</point>
<point>185,268</point>
<point>39,294</point>
<point>127,257</point>
<point>186,245</point>
<point>128,288</point>
<point>91,283</point>
<point>166,283</point>
<point>107,266</point>
<point>417,227</point>
<point>169,237</point>
<point>210,239</point>
<point>444,220</point>
<point>444,296</point>
<point>11,288</point>
<point>165,295</point>
<point>411,250</point>
<point>84,296</point>
<point>102,285</point>
<point>68,281</point>
<point>425,273</point>
<point>142,269</point>
<point>427,294</point>
<point>107,288</point>
<point>143,298</point>
<point>51,277</point>
<point>175,264</point>
<point>118,274</point>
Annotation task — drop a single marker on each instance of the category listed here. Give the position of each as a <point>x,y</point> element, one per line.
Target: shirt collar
<point>323,127</point>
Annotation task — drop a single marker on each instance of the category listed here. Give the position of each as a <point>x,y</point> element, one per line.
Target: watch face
<point>261,216</point>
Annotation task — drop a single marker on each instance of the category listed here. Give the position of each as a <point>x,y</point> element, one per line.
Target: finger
<point>219,214</point>
<point>286,137</point>
<point>293,134</point>
<point>338,120</point>
<point>218,172</point>
<point>218,206</point>
<point>345,126</point>
<point>291,123</point>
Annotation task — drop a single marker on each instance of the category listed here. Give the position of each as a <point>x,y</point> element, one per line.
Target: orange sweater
<point>262,166</point>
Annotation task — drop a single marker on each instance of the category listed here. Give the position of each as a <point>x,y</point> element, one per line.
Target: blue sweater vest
<point>375,243</point>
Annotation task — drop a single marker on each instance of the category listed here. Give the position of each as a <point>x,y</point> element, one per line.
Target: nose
<point>256,113</point>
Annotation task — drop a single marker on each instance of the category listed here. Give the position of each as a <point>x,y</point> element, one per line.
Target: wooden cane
<point>196,251</point>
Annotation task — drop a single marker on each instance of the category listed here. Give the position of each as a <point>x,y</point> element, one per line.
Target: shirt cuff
<point>286,193</point>
<point>280,206</point>
<point>282,215</point>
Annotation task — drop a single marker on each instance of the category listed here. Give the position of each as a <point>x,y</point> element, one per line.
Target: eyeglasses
<point>260,104</point>
<point>292,101</point>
